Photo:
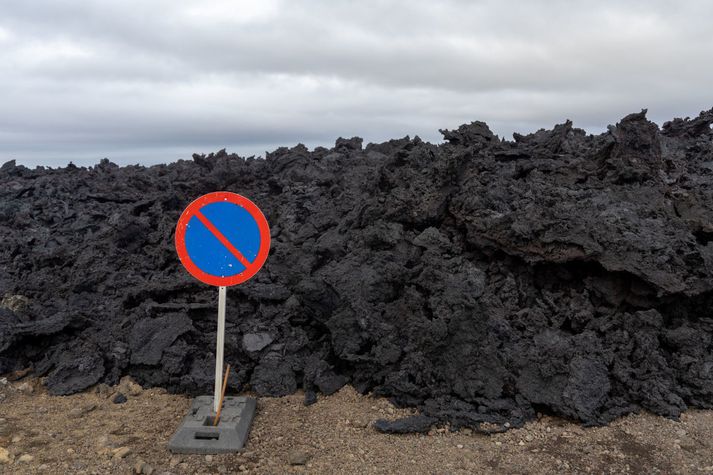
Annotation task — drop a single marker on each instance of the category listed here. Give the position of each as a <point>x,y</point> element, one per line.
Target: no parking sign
<point>222,239</point>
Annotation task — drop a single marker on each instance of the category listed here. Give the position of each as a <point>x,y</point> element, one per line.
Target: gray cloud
<point>156,81</point>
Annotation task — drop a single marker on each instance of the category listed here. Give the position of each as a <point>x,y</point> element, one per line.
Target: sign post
<point>222,239</point>
<point>219,348</point>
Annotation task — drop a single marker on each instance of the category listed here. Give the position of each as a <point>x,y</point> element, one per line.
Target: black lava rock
<point>118,398</point>
<point>479,280</point>
<point>405,425</point>
<point>310,397</point>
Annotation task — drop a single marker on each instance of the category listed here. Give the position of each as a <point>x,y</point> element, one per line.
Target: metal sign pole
<point>219,349</point>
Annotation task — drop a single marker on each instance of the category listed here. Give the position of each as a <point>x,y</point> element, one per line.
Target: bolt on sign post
<point>222,239</point>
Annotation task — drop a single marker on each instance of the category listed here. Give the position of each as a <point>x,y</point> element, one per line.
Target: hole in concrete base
<point>207,435</point>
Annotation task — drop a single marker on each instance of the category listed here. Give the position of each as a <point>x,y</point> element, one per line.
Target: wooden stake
<point>222,395</point>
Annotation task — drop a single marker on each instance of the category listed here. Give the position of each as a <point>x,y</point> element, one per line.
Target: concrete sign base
<point>198,435</point>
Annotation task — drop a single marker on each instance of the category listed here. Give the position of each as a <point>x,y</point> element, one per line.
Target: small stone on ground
<point>118,398</point>
<point>298,457</point>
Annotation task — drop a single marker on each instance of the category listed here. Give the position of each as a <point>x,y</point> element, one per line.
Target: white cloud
<point>34,55</point>
<point>93,79</point>
<point>5,35</point>
<point>235,12</point>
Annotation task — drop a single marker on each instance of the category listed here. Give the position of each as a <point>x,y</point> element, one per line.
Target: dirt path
<point>88,434</point>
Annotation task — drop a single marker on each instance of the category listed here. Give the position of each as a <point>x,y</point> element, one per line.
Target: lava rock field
<point>479,280</point>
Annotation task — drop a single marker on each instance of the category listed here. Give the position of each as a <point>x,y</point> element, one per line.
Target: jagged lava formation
<point>480,280</point>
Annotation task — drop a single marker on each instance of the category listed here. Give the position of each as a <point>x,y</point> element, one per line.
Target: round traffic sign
<point>222,239</point>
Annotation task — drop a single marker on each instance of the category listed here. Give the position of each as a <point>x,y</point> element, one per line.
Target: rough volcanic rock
<point>151,336</point>
<point>480,280</point>
<point>405,425</point>
<point>75,372</point>
<point>253,342</point>
<point>274,377</point>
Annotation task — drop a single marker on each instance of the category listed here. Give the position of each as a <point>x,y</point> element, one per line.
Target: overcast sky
<point>148,81</point>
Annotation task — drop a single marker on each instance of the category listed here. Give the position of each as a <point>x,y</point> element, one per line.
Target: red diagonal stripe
<point>223,240</point>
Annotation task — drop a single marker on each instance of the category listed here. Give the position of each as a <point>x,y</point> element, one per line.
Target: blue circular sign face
<point>222,239</point>
<point>208,251</point>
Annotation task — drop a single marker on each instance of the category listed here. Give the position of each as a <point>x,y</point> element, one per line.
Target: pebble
<point>119,398</point>
<point>174,461</point>
<point>26,388</point>
<point>529,438</point>
<point>142,468</point>
<point>360,423</point>
<point>25,458</point>
<point>297,457</point>
<point>104,451</point>
<point>121,452</point>
<point>80,411</point>
<point>4,456</point>
<point>460,446</point>
<point>135,389</point>
<point>129,386</point>
<point>102,389</point>
<point>209,458</point>
<point>310,398</point>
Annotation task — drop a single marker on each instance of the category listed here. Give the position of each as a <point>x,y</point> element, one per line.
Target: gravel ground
<point>89,434</point>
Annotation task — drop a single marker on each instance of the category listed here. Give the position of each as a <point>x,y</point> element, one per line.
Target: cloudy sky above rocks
<point>148,81</point>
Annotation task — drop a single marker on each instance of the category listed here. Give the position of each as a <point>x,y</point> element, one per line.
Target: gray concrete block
<point>198,435</point>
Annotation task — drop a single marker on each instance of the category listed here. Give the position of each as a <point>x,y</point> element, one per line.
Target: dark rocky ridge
<point>480,280</point>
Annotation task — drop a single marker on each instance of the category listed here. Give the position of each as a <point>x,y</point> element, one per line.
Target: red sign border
<point>236,199</point>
